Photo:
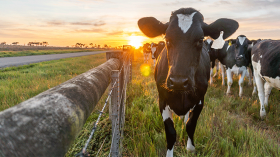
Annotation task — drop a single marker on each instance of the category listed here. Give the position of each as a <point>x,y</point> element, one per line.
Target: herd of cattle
<point>185,62</point>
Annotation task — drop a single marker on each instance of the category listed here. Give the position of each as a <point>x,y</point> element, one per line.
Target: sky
<point>111,22</point>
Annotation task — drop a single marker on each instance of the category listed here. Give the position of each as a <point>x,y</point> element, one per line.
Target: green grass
<point>227,126</point>
<point>18,84</point>
<point>41,52</point>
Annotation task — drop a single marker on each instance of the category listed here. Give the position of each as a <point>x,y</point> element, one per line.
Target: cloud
<point>115,33</point>
<point>99,23</point>
<point>56,23</point>
<point>94,30</point>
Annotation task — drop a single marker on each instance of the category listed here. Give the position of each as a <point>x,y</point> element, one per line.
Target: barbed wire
<point>83,153</point>
<point>125,70</point>
<point>125,84</point>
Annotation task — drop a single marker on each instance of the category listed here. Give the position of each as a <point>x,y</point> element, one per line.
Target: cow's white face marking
<point>208,41</point>
<point>241,40</point>
<point>166,113</point>
<point>200,102</point>
<point>185,21</point>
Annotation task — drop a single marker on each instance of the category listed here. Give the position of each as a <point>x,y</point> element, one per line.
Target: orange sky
<point>66,22</point>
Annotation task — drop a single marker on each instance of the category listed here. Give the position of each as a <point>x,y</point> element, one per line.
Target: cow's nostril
<point>170,83</point>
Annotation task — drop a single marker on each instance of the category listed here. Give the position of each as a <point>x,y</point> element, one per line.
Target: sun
<point>135,41</point>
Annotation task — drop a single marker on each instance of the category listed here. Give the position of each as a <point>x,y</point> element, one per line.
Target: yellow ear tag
<point>229,43</point>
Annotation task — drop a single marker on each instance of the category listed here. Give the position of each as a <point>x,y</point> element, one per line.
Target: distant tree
<point>77,44</point>
<point>3,43</point>
<point>45,43</point>
<point>30,43</point>
<point>14,43</point>
<point>98,46</point>
<point>36,43</point>
<point>91,44</point>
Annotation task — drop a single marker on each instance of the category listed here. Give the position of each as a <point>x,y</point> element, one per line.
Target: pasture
<point>20,83</point>
<point>227,126</point>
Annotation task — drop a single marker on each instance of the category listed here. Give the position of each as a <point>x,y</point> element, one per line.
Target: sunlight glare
<point>145,70</point>
<point>135,41</point>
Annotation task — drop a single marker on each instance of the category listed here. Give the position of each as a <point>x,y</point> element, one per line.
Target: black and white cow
<point>266,65</point>
<point>183,67</point>
<point>146,52</point>
<point>214,61</point>
<point>161,45</point>
<point>254,42</point>
<point>153,51</point>
<point>234,57</point>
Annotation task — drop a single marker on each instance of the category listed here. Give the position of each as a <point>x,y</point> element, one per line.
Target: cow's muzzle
<point>178,83</point>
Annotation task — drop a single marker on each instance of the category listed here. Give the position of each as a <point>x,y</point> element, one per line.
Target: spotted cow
<point>234,57</point>
<point>266,65</point>
<point>153,51</point>
<point>214,61</point>
<point>183,67</point>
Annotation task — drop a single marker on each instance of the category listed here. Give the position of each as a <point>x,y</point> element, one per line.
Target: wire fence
<point>119,80</point>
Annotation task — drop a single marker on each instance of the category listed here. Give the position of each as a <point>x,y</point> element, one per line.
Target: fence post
<point>115,101</point>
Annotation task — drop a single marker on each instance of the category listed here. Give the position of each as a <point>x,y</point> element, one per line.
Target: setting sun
<point>135,41</point>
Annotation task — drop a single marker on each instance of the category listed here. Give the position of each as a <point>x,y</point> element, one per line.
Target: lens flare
<point>145,70</point>
<point>135,41</point>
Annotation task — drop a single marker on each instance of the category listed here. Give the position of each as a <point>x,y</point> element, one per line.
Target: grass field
<point>23,82</point>
<point>41,52</point>
<point>227,126</point>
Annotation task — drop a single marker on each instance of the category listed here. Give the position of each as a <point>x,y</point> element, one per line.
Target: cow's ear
<point>227,25</point>
<point>151,27</point>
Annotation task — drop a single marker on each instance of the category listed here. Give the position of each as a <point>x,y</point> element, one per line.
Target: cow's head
<point>184,34</point>
<point>242,45</point>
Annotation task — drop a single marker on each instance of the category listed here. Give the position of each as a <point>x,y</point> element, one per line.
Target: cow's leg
<point>154,62</point>
<point>255,87</point>
<point>240,82</point>
<point>260,87</point>
<point>217,68</point>
<point>229,80</point>
<point>267,91</point>
<point>169,127</point>
<point>223,73</point>
<point>191,122</point>
<point>249,76</point>
<point>211,77</point>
